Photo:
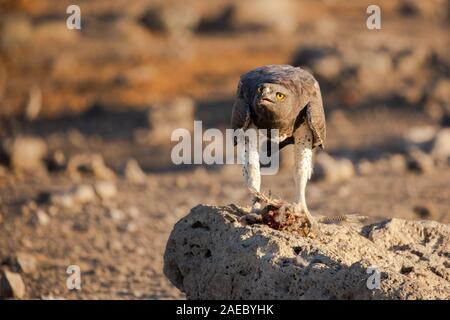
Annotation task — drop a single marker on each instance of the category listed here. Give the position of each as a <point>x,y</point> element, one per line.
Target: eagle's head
<point>275,100</point>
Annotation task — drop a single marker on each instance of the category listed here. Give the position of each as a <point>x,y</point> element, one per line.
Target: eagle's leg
<point>251,168</point>
<point>303,169</point>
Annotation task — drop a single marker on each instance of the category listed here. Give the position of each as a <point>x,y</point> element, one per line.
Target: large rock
<point>27,154</point>
<point>212,255</point>
<point>333,170</point>
<point>11,285</point>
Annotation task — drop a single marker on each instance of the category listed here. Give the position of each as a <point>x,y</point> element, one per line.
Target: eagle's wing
<point>240,115</point>
<point>314,111</point>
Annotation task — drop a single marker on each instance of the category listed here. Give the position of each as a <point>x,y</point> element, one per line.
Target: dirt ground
<point>103,90</point>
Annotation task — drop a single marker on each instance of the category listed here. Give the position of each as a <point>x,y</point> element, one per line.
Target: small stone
<point>420,162</point>
<point>93,164</point>
<point>11,285</point>
<point>101,171</point>
<point>84,193</point>
<point>134,173</point>
<point>131,227</point>
<point>397,163</point>
<point>332,170</point>
<point>27,154</point>
<point>134,212</point>
<point>26,262</point>
<point>57,161</point>
<point>128,227</point>
<point>42,218</point>
<point>441,145</point>
<point>64,200</point>
<point>328,68</point>
<point>105,189</point>
<point>116,215</point>
<point>115,245</point>
<point>365,167</point>
<point>53,211</point>
<point>420,134</point>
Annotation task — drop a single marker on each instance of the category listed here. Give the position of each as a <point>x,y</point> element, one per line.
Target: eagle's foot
<point>301,210</point>
<point>256,207</point>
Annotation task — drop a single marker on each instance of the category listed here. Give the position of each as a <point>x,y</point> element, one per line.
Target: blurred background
<point>86,117</point>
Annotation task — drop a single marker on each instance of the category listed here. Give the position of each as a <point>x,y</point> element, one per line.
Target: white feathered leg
<point>303,168</point>
<point>251,169</point>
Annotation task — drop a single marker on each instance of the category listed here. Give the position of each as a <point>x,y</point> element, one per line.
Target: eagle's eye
<point>280,96</point>
<point>259,89</point>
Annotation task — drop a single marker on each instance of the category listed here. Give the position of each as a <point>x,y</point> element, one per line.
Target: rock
<point>84,193</point>
<point>62,199</point>
<point>441,145</point>
<point>279,16</point>
<point>134,212</point>
<point>420,135</point>
<point>27,154</point>
<point>130,227</point>
<point>34,104</point>
<point>211,255</point>
<point>57,161</point>
<point>116,215</point>
<point>438,103</point>
<point>80,194</point>
<point>42,218</point>
<point>332,170</point>
<point>105,189</point>
<point>93,164</point>
<point>397,163</point>
<point>11,285</point>
<point>23,262</point>
<point>329,68</point>
<point>373,68</point>
<point>420,162</point>
<point>365,167</point>
<point>174,18</point>
<point>101,171</point>
<point>134,173</point>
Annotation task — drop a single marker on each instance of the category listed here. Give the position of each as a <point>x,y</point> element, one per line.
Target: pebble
<point>105,189</point>
<point>11,285</point>
<point>134,173</point>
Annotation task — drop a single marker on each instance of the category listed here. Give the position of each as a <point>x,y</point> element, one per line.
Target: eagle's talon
<point>313,225</point>
<point>256,207</point>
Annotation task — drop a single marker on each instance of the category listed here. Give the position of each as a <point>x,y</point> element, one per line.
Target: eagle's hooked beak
<point>265,96</point>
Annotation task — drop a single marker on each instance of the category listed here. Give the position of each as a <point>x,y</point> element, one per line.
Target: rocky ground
<point>85,172</point>
<point>214,254</point>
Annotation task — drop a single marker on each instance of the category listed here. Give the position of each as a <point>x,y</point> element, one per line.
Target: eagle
<point>286,98</point>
